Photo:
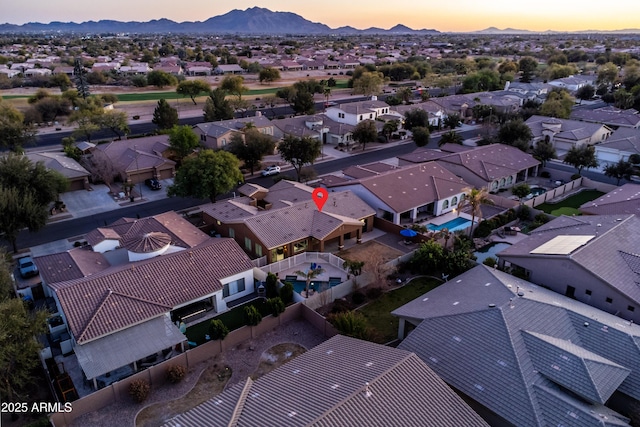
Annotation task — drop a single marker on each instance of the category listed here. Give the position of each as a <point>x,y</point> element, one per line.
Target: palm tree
<point>446,235</point>
<point>309,275</point>
<point>474,198</point>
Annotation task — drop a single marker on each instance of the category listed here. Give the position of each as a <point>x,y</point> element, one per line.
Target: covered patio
<point>116,356</point>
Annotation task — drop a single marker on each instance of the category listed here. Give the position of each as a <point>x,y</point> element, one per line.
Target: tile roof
<point>121,296</point>
<point>572,130</point>
<point>606,256</point>
<point>623,200</point>
<point>608,117</point>
<point>485,329</point>
<point>59,162</point>
<point>371,169</point>
<point>72,264</point>
<point>216,129</point>
<point>623,139</point>
<point>145,153</point>
<point>342,382</point>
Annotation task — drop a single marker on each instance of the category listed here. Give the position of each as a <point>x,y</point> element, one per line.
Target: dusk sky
<point>460,15</point>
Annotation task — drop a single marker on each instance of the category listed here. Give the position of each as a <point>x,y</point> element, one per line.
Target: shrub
<point>357,297</point>
<point>340,305</point>
<point>276,306</point>
<point>175,373</point>
<point>545,174</point>
<point>575,176</point>
<point>286,293</point>
<point>491,261</point>
<point>271,285</point>
<point>217,329</point>
<point>251,315</point>
<point>374,293</point>
<point>139,390</point>
<point>351,324</point>
<point>482,230</point>
<point>542,218</point>
<point>524,212</point>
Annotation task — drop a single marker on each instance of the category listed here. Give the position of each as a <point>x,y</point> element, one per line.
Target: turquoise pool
<point>299,285</point>
<point>491,250</point>
<point>455,224</point>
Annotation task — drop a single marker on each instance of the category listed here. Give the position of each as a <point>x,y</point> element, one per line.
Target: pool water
<point>453,225</point>
<point>299,285</point>
<point>490,251</point>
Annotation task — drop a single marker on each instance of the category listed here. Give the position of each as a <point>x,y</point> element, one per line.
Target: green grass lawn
<point>378,312</point>
<point>233,319</point>
<point>573,202</point>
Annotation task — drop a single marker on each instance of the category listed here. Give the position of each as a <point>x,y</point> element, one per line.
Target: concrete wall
<point>556,192</point>
<point>156,375</point>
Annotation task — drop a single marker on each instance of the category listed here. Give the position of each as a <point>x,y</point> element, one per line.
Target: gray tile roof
<point>486,329</point>
<point>570,130</point>
<point>342,382</point>
<point>607,256</point>
<point>59,162</point>
<point>125,295</point>
<point>608,117</point>
<point>623,200</point>
<point>364,171</point>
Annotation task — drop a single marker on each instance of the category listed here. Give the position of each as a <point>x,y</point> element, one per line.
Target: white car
<point>271,170</point>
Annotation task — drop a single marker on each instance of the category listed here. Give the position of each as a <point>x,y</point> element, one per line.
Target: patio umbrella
<point>407,232</point>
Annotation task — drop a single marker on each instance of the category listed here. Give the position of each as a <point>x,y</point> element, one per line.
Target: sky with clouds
<point>442,15</point>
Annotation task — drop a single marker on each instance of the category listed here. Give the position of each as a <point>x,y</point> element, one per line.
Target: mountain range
<point>254,20</point>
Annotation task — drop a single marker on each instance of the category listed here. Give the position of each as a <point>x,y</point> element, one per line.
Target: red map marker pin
<point>320,196</point>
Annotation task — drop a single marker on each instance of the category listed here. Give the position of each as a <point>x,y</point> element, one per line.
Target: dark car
<point>153,184</point>
<point>27,267</point>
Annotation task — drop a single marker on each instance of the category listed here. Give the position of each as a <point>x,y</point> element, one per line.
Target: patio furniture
<point>290,278</point>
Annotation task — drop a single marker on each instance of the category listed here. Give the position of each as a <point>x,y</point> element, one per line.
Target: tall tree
<point>516,133</point>
<point>183,141</point>
<point>544,151</point>
<point>206,176</point>
<point>86,121</point>
<point>365,132</point>
<point>452,121</point>
<point>474,198</point>
<point>581,157</point>
<point>558,104</point>
<point>521,190</point>
<point>622,169</point>
<point>389,128</point>
<point>420,136</point>
<point>116,121</point>
<point>586,92</point>
<point>251,146</point>
<point>19,210</point>
<point>269,75</point>
<point>164,115</point>
<point>192,88</point>
<point>234,85</point>
<point>416,118</point>
<point>527,66</point>
<point>161,79</point>
<point>299,151</point>
<point>369,83</point>
<point>80,73</point>
<point>14,133</point>
<point>217,107</point>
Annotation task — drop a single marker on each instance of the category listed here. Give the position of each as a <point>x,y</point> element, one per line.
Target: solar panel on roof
<point>562,245</point>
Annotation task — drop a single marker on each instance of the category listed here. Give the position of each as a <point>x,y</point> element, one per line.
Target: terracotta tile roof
<point>145,153</point>
<point>100,235</point>
<point>68,167</point>
<point>73,264</point>
<point>148,242</point>
<point>121,296</point>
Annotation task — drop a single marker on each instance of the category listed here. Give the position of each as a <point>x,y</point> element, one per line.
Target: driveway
<point>85,203</point>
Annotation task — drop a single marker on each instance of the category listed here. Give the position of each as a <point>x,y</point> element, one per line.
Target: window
<point>232,233</point>
<point>233,288</point>
<point>502,182</point>
<point>247,243</point>
<point>509,180</point>
<point>454,201</point>
<point>258,250</point>
<point>445,205</point>
<point>300,246</point>
<point>609,300</point>
<point>631,308</point>
<point>225,291</point>
<point>360,116</point>
<point>588,292</point>
<point>371,116</point>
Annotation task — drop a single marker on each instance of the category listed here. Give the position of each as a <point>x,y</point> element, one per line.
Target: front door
<point>571,292</point>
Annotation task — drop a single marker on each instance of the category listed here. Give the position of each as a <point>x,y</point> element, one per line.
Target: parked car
<point>271,170</point>
<point>27,267</point>
<point>153,184</point>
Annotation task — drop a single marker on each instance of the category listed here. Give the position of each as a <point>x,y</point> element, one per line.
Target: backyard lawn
<point>378,312</point>
<point>233,319</point>
<point>570,205</point>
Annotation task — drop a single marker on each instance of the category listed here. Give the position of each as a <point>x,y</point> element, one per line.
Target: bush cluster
<point>139,390</point>
<point>357,297</point>
<point>252,316</point>
<point>276,306</point>
<point>487,226</point>
<point>217,329</point>
<point>175,373</point>
<point>286,293</point>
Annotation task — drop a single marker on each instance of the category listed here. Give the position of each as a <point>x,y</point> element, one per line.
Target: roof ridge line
<point>94,315</point>
<point>140,299</point>
<point>239,406</point>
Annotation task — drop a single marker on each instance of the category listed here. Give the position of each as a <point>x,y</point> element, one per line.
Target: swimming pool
<point>490,251</point>
<point>455,224</point>
<point>299,285</point>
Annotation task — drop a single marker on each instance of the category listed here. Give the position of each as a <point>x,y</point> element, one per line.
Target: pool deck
<point>329,271</point>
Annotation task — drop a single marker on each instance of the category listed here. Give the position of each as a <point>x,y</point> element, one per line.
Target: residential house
<point>528,356</point>
<point>361,383</point>
<point>60,69</point>
<point>10,73</point>
<point>137,160</point>
<point>37,72</point>
<point>283,221</point>
<point>300,126</point>
<point>494,166</point>
<point>77,176</point>
<point>404,194</point>
<point>610,116</point>
<point>573,83</point>
<point>353,113</point>
<point>218,134</point>
<point>435,112</point>
<point>200,68</point>
<point>120,296</point>
<point>229,69</point>
<point>624,200</point>
<point>532,91</point>
<point>136,68</point>
<point>590,258</point>
<point>624,143</point>
<point>565,134</point>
